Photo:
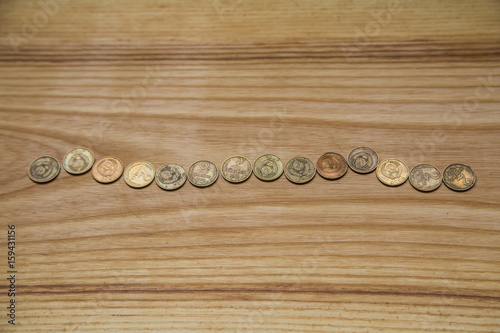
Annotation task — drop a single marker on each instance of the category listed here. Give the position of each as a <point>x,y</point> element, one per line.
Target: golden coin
<point>107,169</point>
<point>331,166</point>
<point>43,169</point>
<point>300,170</point>
<point>202,173</point>
<point>425,177</point>
<point>236,169</point>
<point>459,177</point>
<point>171,176</point>
<point>363,160</point>
<point>268,167</point>
<point>392,172</point>
<point>78,161</point>
<point>139,174</point>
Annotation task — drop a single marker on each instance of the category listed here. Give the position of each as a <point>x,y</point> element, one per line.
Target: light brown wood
<point>179,81</point>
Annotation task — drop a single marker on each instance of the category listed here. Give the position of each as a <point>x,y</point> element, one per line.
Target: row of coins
<point>236,169</point>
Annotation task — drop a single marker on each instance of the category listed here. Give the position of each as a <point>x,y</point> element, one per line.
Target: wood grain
<point>179,81</point>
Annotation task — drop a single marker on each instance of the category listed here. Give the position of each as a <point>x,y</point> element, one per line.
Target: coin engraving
<point>78,161</point>
<point>459,177</point>
<point>268,167</point>
<point>107,169</point>
<point>362,160</point>
<point>171,176</point>
<point>43,169</point>
<point>300,170</point>
<point>236,169</point>
<point>392,172</point>
<point>202,173</point>
<point>331,165</point>
<point>139,174</point>
<point>425,177</point>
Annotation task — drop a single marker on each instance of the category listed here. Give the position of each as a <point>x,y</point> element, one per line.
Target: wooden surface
<point>179,81</point>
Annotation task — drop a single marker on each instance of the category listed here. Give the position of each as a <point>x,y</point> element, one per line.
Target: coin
<point>171,176</point>
<point>331,166</point>
<point>392,172</point>
<point>236,169</point>
<point>107,169</point>
<point>425,177</point>
<point>139,174</point>
<point>300,170</point>
<point>43,169</point>
<point>268,167</point>
<point>78,161</point>
<point>459,177</point>
<point>202,173</point>
<point>363,160</point>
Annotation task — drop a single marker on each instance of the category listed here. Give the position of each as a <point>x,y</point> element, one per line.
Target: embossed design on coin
<point>392,172</point>
<point>139,174</point>
<point>300,170</point>
<point>236,169</point>
<point>171,176</point>
<point>459,177</point>
<point>202,173</point>
<point>78,161</point>
<point>425,177</point>
<point>107,169</point>
<point>268,167</point>
<point>363,160</point>
<point>331,166</point>
<point>43,169</point>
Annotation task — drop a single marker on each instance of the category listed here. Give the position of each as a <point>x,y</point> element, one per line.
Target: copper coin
<point>139,174</point>
<point>203,173</point>
<point>363,160</point>
<point>392,172</point>
<point>459,177</point>
<point>236,169</point>
<point>331,166</point>
<point>43,169</point>
<point>425,177</point>
<point>268,167</point>
<point>78,161</point>
<point>107,169</point>
<point>171,176</point>
<point>300,170</point>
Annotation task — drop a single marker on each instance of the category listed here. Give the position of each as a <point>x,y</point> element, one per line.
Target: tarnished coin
<point>236,169</point>
<point>43,169</point>
<point>459,177</point>
<point>78,161</point>
<point>139,174</point>
<point>171,176</point>
<point>363,160</point>
<point>300,170</point>
<point>107,169</point>
<point>331,166</point>
<point>268,167</point>
<point>425,177</point>
<point>392,172</point>
<point>202,173</point>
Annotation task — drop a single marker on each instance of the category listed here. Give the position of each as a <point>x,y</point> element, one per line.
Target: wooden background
<point>179,81</point>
